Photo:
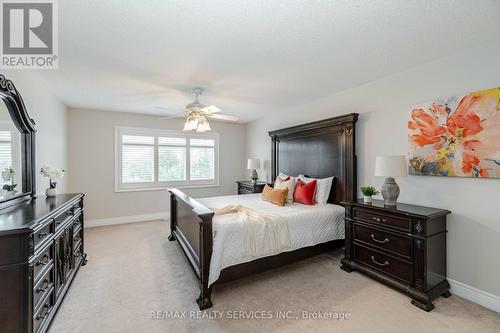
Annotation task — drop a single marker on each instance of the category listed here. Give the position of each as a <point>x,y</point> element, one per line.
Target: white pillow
<point>290,184</point>
<point>323,187</point>
<point>283,176</point>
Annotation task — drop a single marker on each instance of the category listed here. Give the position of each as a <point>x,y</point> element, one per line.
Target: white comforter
<point>307,225</point>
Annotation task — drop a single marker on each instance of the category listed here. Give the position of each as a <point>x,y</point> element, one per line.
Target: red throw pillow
<point>304,193</point>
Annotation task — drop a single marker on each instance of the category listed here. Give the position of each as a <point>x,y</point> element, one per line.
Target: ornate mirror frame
<point>26,126</point>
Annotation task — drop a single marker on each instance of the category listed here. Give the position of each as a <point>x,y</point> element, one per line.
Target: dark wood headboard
<point>319,149</point>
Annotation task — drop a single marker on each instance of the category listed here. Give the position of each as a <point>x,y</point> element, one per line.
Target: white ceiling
<point>252,57</point>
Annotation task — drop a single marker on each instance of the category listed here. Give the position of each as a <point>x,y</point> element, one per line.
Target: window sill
<point>150,189</point>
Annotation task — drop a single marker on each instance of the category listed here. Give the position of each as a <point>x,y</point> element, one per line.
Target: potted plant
<point>52,174</point>
<point>254,179</point>
<point>368,191</point>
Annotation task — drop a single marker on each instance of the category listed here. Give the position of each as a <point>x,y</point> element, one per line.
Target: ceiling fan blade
<point>223,117</point>
<point>172,116</point>
<point>211,109</point>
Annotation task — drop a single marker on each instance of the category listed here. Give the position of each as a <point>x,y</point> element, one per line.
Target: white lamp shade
<point>390,166</point>
<point>253,163</point>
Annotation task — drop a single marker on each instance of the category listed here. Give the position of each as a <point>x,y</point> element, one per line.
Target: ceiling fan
<point>197,114</point>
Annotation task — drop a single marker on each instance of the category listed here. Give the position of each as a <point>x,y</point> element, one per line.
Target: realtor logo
<point>29,34</point>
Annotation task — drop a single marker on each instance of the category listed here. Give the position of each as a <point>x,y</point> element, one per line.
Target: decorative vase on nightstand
<point>367,199</point>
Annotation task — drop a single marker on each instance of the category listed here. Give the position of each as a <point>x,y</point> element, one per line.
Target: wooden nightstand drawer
<point>247,187</point>
<point>383,262</point>
<point>382,218</point>
<point>399,245</point>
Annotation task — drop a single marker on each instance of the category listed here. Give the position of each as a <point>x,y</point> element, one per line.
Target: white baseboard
<point>475,295</point>
<point>125,219</point>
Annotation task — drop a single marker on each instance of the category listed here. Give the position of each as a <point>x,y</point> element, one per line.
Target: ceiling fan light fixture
<point>203,125</point>
<point>190,124</point>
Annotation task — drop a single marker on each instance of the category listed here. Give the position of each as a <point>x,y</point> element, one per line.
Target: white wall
<point>384,105</point>
<point>91,162</point>
<point>49,114</point>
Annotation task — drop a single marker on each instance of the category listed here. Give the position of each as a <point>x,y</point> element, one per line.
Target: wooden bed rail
<point>191,226</point>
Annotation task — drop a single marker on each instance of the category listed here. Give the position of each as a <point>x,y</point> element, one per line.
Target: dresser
<point>403,247</point>
<point>247,186</point>
<point>41,250</point>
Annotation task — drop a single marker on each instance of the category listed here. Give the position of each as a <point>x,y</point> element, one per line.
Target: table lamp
<point>390,167</point>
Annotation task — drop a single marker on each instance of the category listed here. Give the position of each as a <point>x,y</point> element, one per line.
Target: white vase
<point>367,199</point>
<point>50,192</point>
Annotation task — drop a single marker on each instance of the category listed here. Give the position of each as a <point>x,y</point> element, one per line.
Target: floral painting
<point>457,137</point>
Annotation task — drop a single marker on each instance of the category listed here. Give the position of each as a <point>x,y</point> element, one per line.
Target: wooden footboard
<point>191,225</point>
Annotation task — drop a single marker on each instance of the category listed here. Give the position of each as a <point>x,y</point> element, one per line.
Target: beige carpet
<point>133,270</point>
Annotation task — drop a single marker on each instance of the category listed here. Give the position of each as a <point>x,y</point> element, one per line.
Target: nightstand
<point>247,186</point>
<point>403,247</point>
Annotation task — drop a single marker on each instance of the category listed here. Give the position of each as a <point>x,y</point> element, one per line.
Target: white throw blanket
<point>274,228</point>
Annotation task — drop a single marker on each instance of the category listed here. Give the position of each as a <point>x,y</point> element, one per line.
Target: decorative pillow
<point>286,177</point>
<point>323,188</point>
<point>288,183</point>
<point>304,193</point>
<point>275,196</point>
<point>283,176</point>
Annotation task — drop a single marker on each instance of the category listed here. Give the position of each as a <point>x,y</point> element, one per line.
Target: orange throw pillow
<point>275,196</point>
<point>304,193</point>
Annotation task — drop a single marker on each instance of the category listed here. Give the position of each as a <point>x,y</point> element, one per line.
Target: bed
<point>212,244</point>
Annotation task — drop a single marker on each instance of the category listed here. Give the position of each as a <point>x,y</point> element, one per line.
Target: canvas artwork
<point>457,137</point>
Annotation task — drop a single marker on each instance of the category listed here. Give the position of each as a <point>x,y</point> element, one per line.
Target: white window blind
<point>5,152</point>
<point>202,153</point>
<point>155,159</point>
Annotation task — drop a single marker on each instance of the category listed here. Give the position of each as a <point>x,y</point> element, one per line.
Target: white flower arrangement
<point>8,174</point>
<point>52,173</point>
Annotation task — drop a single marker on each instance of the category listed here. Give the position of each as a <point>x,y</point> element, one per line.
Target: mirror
<point>17,147</point>
<point>11,176</point>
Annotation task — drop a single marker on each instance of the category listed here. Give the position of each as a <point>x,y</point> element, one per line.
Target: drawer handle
<point>46,286</point>
<point>379,241</point>
<point>378,219</point>
<point>386,263</point>
<point>42,235</point>
<point>40,316</point>
<point>44,260</point>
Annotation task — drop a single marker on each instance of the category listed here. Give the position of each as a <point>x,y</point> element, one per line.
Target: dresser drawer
<point>43,234</point>
<point>77,238</point>
<point>43,287</point>
<point>63,217</point>
<point>77,222</point>
<point>399,245</point>
<point>78,253</point>
<point>43,260</point>
<point>382,218</point>
<point>382,262</point>
<point>43,312</point>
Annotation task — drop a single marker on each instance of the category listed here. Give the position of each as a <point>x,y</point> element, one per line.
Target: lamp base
<point>390,191</point>
<point>253,174</point>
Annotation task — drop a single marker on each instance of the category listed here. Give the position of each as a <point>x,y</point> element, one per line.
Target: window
<point>156,159</point>
<point>10,150</point>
